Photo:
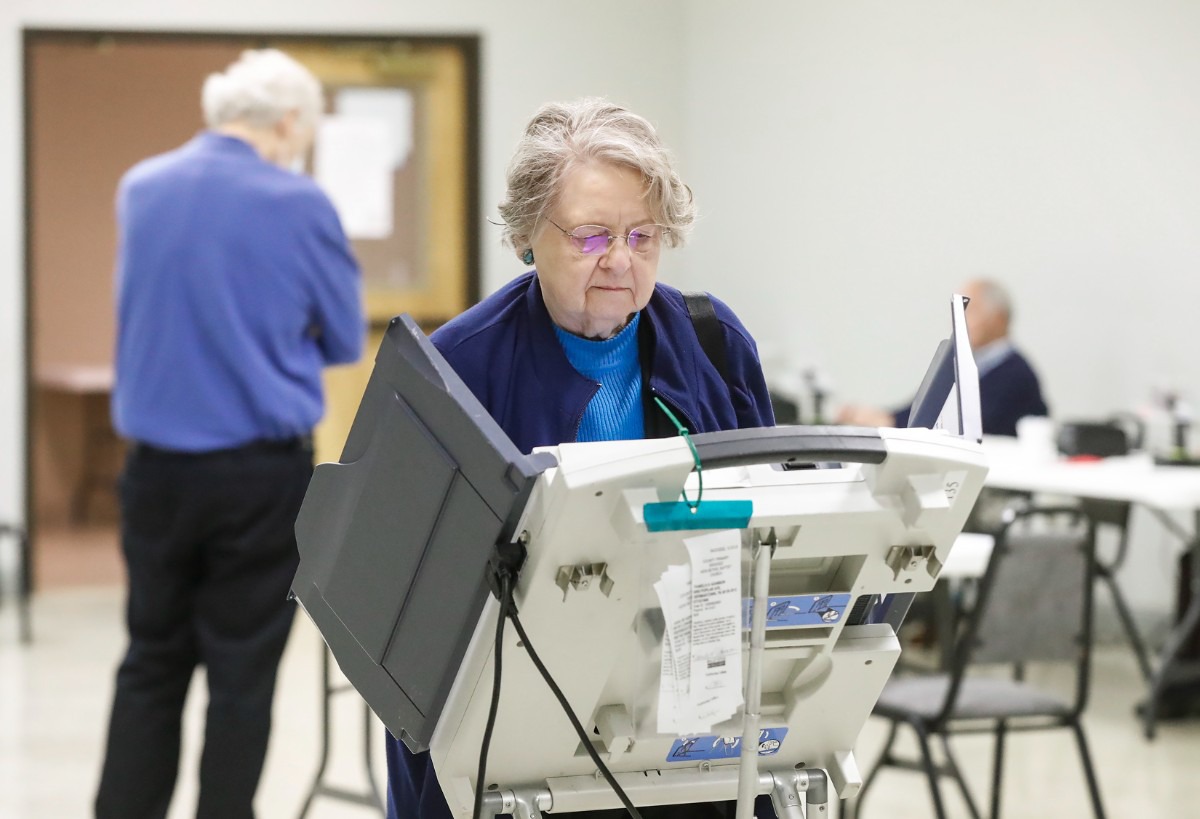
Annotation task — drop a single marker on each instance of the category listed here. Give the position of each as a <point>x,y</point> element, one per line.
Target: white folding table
<point>1136,479</point>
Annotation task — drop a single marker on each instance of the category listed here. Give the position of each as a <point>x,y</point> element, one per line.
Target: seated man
<point>1008,386</point>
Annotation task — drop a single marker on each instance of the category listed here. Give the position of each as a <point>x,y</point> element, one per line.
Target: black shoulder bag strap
<point>708,330</point>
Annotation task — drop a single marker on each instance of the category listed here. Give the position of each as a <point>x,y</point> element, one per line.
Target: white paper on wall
<point>352,162</point>
<point>391,106</point>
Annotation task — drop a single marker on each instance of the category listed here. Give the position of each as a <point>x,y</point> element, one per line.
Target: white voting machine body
<point>809,539</point>
<point>845,536</point>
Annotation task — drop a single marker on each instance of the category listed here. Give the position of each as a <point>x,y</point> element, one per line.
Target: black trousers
<point>211,552</point>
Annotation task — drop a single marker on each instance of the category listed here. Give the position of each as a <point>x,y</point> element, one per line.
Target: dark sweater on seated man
<point>1008,390</point>
<point>1008,387</point>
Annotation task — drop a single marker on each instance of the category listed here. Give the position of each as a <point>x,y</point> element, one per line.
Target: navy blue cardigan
<point>1007,393</point>
<point>505,349</point>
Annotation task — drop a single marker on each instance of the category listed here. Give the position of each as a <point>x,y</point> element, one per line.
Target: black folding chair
<point>1033,606</point>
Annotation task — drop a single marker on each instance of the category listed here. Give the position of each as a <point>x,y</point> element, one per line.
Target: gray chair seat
<point>978,698</point>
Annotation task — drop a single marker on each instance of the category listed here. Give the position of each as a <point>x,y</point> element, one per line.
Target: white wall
<point>532,51</point>
<point>853,159</point>
<point>12,340</point>
<point>857,160</point>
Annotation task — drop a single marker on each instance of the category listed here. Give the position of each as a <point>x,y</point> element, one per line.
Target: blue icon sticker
<point>713,746</point>
<point>800,610</point>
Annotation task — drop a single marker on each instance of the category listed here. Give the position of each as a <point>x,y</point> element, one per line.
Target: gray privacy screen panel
<point>395,539</point>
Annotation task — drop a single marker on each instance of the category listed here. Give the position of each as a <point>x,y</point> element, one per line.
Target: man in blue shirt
<point>235,287</point>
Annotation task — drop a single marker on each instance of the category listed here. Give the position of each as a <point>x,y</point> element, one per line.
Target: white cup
<point>1036,438</point>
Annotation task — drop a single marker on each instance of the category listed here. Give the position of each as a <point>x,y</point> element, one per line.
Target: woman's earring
<point>527,256</point>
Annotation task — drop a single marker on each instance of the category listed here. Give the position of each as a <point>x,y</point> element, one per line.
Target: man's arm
<point>338,319</point>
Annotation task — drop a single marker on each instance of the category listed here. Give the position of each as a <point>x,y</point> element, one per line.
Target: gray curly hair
<point>562,135</point>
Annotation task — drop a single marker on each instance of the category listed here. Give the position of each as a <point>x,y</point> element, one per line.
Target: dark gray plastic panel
<point>392,521</point>
<point>465,521</point>
<point>395,539</point>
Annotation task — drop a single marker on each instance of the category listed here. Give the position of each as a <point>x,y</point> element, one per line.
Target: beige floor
<point>81,555</point>
<point>54,696</point>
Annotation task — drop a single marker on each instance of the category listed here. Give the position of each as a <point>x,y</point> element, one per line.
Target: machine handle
<point>790,445</point>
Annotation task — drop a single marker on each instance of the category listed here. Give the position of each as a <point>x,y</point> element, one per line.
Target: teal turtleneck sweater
<point>615,411</point>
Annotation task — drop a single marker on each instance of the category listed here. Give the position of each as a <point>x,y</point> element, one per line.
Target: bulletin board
<point>396,152</point>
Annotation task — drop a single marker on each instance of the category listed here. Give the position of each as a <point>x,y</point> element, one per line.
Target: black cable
<point>505,598</point>
<point>562,701</point>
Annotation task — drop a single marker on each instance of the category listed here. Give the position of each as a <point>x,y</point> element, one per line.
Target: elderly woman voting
<point>587,345</point>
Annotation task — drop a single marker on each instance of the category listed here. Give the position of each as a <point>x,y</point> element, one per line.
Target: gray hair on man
<point>994,297</point>
<point>561,136</point>
<point>259,89</point>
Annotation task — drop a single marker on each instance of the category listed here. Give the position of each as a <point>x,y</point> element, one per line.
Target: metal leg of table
<point>24,578</point>
<point>26,590</point>
<point>1171,663</point>
<point>369,797</point>
<point>1136,643</point>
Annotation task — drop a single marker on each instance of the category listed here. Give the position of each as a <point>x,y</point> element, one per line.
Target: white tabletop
<point>76,378</point>
<point>969,556</point>
<point>1134,478</point>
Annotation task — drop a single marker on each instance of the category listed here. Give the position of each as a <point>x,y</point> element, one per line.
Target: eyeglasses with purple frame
<point>595,240</point>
